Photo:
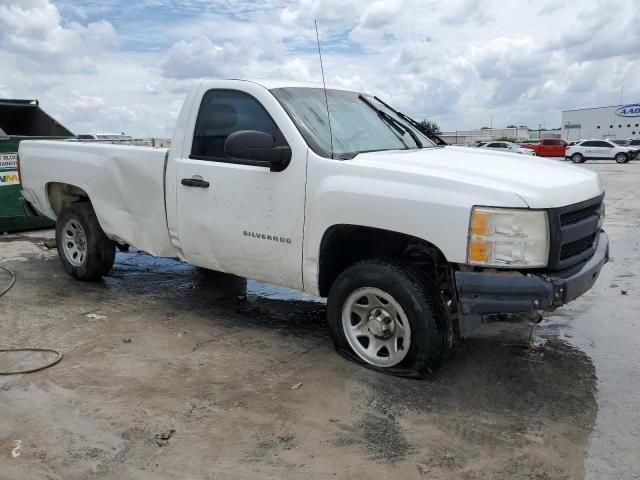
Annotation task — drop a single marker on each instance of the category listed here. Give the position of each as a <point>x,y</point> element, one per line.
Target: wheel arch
<point>343,245</point>
<point>62,195</point>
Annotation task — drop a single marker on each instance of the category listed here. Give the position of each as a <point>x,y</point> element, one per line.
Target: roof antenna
<point>324,86</point>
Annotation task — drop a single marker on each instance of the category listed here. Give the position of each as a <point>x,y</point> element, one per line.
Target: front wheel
<point>83,248</point>
<point>577,158</point>
<point>388,316</point>
<point>621,158</point>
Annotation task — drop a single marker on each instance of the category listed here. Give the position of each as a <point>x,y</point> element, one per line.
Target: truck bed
<point>125,184</point>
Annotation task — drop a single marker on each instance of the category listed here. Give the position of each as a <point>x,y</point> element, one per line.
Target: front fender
<point>431,209</point>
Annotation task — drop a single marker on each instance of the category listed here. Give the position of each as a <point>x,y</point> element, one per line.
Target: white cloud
<point>201,58</point>
<point>84,102</point>
<point>34,30</point>
<point>100,66</point>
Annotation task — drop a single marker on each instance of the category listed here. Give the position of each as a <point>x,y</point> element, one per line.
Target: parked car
<point>634,142</point>
<point>509,147</point>
<point>601,150</point>
<point>409,240</point>
<point>548,147</point>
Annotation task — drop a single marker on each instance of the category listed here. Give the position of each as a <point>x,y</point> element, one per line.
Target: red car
<point>548,147</point>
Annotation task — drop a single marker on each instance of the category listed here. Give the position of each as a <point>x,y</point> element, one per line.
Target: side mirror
<point>257,148</point>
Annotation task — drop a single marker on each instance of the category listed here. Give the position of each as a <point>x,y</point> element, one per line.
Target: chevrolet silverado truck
<point>411,241</point>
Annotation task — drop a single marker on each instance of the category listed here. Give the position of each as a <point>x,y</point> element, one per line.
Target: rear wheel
<point>388,316</point>
<point>621,158</point>
<point>577,158</point>
<point>83,248</point>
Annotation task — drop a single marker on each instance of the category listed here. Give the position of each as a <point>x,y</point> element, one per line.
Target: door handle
<point>194,182</point>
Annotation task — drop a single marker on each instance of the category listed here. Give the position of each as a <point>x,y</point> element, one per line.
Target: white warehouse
<point>618,121</point>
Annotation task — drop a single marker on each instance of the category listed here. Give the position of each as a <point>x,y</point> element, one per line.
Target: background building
<point>618,121</point>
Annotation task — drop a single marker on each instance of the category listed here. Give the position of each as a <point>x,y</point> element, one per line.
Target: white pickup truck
<point>412,241</point>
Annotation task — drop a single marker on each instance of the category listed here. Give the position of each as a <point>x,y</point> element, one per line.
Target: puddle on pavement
<point>274,292</point>
<point>492,400</point>
<point>159,271</point>
<point>181,287</point>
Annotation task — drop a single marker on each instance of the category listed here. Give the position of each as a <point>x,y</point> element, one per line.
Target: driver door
<point>233,216</point>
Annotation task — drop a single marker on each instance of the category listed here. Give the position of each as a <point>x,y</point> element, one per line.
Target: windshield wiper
<point>429,133</point>
<point>395,124</point>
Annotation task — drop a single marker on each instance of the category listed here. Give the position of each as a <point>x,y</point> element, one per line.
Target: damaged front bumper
<point>514,292</point>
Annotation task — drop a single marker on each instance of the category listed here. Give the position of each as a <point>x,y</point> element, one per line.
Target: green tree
<point>431,125</point>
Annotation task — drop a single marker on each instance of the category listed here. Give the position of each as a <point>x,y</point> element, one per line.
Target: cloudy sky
<point>125,65</point>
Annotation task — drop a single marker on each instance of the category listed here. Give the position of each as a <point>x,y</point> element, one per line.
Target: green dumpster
<point>20,120</point>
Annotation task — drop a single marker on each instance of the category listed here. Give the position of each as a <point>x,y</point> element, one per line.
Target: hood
<point>541,183</point>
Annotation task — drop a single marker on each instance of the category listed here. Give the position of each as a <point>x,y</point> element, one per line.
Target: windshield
<point>355,125</point>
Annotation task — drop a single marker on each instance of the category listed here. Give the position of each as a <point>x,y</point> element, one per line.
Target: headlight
<point>502,237</point>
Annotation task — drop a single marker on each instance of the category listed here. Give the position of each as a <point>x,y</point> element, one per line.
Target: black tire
<point>577,158</point>
<point>100,252</point>
<point>621,158</point>
<point>419,298</point>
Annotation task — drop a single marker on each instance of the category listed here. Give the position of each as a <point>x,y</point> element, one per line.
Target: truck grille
<point>576,248</point>
<point>575,216</point>
<point>574,232</point>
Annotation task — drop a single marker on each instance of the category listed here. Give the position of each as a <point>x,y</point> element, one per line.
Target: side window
<point>604,144</point>
<point>491,145</point>
<point>223,112</point>
<point>589,144</point>
<point>547,142</point>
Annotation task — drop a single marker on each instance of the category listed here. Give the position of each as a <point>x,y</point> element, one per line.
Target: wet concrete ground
<point>171,372</point>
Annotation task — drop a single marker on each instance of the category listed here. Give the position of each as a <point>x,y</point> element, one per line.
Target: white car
<point>601,150</point>
<point>508,147</point>
<point>410,241</point>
